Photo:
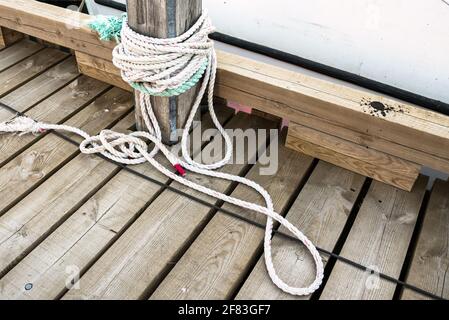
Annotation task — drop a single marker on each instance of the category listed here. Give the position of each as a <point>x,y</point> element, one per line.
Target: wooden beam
<point>54,24</point>
<point>9,37</point>
<point>165,19</point>
<point>373,142</point>
<point>100,69</point>
<point>377,165</point>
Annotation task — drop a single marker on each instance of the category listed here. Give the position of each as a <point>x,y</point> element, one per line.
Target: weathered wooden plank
<point>87,232</point>
<point>19,176</point>
<point>286,93</point>
<point>38,214</point>
<point>368,141</point>
<point>55,109</point>
<point>20,226</point>
<point>369,162</point>
<point>100,69</point>
<point>137,261</point>
<point>39,88</point>
<point>215,263</point>
<point>430,261</point>
<point>379,239</point>
<point>165,19</point>
<point>54,24</point>
<point>13,77</point>
<point>320,211</point>
<point>18,52</point>
<point>9,37</point>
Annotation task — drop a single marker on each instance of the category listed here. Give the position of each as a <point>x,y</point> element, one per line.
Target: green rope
<point>109,28</point>
<point>175,91</point>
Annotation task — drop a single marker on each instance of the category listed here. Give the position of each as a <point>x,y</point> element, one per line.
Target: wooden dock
<point>74,226</point>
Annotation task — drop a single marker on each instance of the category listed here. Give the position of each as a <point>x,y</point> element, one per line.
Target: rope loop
<point>164,67</point>
<point>170,67</point>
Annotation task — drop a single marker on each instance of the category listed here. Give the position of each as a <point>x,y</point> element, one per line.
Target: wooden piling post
<point>165,19</point>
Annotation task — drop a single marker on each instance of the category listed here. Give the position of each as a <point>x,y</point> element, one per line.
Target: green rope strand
<point>174,91</point>
<point>108,27</point>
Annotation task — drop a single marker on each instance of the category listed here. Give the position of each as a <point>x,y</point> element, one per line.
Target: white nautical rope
<point>162,64</point>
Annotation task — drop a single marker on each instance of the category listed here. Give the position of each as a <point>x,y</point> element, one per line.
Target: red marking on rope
<point>42,130</point>
<point>180,170</point>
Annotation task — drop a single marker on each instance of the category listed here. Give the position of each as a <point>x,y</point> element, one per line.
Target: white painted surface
<point>403,43</point>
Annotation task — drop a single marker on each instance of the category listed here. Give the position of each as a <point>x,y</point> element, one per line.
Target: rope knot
<point>126,148</point>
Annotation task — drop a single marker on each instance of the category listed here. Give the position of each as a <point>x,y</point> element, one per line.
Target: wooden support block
<point>100,69</point>
<point>373,142</point>
<point>9,37</point>
<point>375,164</point>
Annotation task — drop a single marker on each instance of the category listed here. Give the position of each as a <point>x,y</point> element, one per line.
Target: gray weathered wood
<point>431,258</point>
<point>91,229</point>
<point>321,212</point>
<point>217,260</point>
<point>29,68</point>
<point>34,165</point>
<point>149,247</point>
<point>18,52</point>
<point>379,239</point>
<point>165,19</point>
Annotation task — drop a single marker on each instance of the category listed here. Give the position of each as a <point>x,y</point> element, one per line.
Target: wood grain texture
<point>320,211</point>
<point>285,93</point>
<point>430,261</point>
<point>25,70</point>
<point>18,52</point>
<point>34,165</point>
<point>88,231</point>
<point>147,250</point>
<point>165,19</point>
<point>39,88</point>
<point>9,37</point>
<point>55,109</point>
<point>54,24</point>
<point>378,239</point>
<point>368,141</point>
<point>100,69</point>
<point>369,162</point>
<point>39,213</point>
<point>213,266</point>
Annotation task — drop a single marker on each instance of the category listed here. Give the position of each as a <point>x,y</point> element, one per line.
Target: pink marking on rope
<point>180,170</point>
<point>41,130</point>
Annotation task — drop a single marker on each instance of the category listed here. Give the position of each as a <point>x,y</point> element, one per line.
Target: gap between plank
<point>284,211</point>
<point>412,245</point>
<point>151,288</point>
<point>232,214</point>
<point>343,236</point>
<point>35,75</point>
<point>59,166</point>
<point>39,137</point>
<point>130,222</point>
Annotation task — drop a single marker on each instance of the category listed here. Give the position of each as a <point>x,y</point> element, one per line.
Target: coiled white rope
<point>159,65</point>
